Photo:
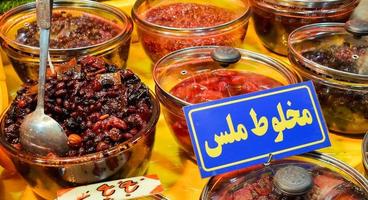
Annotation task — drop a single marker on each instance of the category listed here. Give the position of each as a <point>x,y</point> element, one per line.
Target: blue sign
<point>241,131</point>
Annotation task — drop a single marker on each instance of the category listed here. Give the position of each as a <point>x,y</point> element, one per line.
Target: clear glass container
<point>274,20</point>
<point>365,153</point>
<point>48,175</point>
<point>185,30</point>
<point>252,72</point>
<point>330,179</point>
<point>336,62</point>
<point>25,58</point>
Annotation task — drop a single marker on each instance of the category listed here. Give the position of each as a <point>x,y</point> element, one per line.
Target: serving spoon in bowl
<point>39,133</point>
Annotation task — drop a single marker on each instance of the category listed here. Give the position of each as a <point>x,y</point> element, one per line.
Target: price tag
<point>241,131</point>
<point>114,190</point>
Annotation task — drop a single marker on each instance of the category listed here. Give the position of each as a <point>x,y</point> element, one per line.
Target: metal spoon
<point>358,22</point>
<point>40,133</point>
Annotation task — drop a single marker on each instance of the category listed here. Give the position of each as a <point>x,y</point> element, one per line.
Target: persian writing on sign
<point>244,130</point>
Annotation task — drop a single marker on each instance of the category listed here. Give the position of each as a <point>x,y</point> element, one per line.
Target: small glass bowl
<point>48,175</point>
<point>25,59</point>
<point>274,20</point>
<point>226,186</point>
<point>187,63</point>
<point>342,95</point>
<point>159,40</point>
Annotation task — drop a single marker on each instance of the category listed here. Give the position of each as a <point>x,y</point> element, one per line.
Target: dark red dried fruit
<point>69,31</point>
<point>93,116</point>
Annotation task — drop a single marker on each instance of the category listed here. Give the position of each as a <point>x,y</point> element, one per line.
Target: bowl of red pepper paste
<point>166,26</point>
<point>190,76</point>
<point>311,176</point>
<point>108,114</point>
<point>78,28</point>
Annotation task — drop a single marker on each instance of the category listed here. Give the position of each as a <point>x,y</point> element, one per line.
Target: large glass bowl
<point>274,20</point>
<point>159,40</point>
<point>48,175</point>
<point>230,185</point>
<point>342,95</point>
<point>25,58</point>
<point>186,63</point>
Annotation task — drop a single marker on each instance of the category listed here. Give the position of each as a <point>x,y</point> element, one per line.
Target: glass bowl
<point>25,58</point>
<point>365,154</point>
<point>330,179</point>
<point>48,174</point>
<point>274,20</point>
<point>324,53</point>
<point>253,72</point>
<point>166,26</point>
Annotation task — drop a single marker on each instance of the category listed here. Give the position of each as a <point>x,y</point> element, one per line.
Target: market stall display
<point>164,27</point>
<point>337,63</point>
<point>110,37</point>
<point>108,115</point>
<point>99,150</point>
<point>192,76</point>
<point>275,20</point>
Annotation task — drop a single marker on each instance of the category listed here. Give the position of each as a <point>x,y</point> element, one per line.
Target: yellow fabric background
<point>179,175</point>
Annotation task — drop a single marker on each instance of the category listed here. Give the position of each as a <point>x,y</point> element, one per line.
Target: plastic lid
<point>293,180</point>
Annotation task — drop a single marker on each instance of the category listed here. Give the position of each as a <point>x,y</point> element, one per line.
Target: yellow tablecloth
<point>179,175</point>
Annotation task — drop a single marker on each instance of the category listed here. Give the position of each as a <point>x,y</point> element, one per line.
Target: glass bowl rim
<point>322,157</point>
<point>271,62</point>
<point>59,161</point>
<point>364,152</point>
<point>124,34</point>
<point>323,26</point>
<point>243,18</point>
<point>289,6</point>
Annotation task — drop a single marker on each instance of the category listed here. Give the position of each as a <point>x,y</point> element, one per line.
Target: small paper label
<point>114,190</point>
<point>241,131</point>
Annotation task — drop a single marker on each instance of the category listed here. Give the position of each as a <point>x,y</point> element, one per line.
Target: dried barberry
<point>92,113</point>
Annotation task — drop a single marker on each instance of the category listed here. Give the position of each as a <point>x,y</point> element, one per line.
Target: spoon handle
<point>358,22</point>
<point>43,8</point>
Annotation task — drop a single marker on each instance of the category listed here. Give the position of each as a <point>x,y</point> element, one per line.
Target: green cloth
<point>6,5</point>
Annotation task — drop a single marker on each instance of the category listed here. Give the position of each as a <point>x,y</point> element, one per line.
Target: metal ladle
<point>39,133</point>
